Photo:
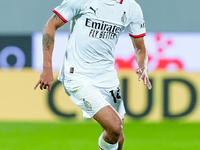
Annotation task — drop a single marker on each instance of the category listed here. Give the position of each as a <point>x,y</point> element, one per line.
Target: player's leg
<point>93,104</point>
<point>121,141</point>
<point>108,118</point>
<point>113,97</point>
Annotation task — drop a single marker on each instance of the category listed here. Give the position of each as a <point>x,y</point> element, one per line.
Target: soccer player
<point>88,74</point>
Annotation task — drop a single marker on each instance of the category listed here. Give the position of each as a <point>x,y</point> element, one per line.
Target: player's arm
<point>49,31</point>
<point>142,60</point>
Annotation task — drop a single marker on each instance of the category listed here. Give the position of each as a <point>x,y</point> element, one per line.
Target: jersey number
<point>117,96</point>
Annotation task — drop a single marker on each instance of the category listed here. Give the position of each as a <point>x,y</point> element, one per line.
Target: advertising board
<point>15,52</point>
<point>167,51</point>
<point>173,96</point>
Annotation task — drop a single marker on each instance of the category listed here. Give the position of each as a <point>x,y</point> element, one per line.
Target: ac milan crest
<point>124,18</point>
<point>87,105</point>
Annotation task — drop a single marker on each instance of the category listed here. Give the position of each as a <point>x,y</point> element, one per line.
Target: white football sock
<point>103,145</point>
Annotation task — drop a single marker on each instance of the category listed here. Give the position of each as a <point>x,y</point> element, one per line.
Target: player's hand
<point>142,74</point>
<point>45,80</point>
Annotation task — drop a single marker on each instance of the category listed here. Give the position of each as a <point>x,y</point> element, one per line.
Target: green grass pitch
<point>70,135</point>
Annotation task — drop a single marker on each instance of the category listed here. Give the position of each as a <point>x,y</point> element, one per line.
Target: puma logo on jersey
<point>93,10</point>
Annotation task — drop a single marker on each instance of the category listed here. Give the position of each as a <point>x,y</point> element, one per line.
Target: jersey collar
<point>111,2</point>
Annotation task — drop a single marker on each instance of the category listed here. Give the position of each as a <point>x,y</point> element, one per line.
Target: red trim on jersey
<point>137,36</point>
<point>61,17</point>
<point>100,148</point>
<point>121,1</point>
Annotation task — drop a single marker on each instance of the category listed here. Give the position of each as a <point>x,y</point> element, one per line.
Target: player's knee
<point>114,133</point>
<point>117,126</point>
<point>117,129</point>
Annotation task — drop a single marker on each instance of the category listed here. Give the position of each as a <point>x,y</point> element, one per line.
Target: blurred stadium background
<point>167,117</point>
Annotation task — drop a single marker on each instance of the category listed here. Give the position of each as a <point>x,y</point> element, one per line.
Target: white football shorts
<point>91,98</point>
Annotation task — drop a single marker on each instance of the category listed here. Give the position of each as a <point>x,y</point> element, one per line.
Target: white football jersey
<point>95,26</point>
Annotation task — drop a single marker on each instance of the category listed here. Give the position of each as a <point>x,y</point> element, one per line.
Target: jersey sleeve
<point>137,27</point>
<point>68,9</point>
